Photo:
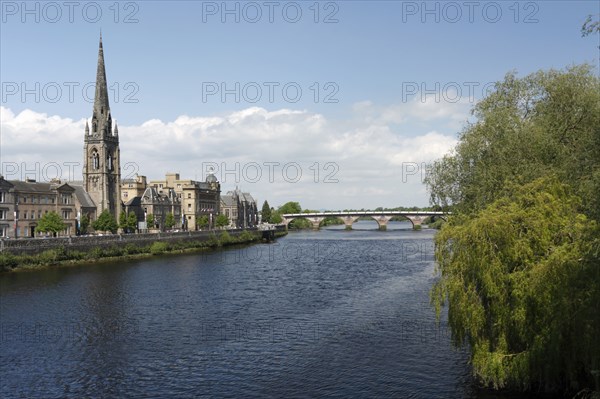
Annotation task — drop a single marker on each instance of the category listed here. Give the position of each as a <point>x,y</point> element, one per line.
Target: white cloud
<point>356,163</point>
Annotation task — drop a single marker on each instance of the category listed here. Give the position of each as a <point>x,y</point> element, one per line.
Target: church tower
<point>102,161</point>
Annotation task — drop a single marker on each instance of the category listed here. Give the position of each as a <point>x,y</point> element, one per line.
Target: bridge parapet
<point>381,217</point>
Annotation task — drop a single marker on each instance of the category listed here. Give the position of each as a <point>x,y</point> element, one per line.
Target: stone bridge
<point>381,217</point>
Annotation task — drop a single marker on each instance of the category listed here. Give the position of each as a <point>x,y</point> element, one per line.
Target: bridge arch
<point>381,217</point>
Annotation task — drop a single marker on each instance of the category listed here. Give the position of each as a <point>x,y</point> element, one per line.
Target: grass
<point>64,256</point>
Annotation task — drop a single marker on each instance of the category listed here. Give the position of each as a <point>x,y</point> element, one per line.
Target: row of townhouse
<point>24,203</point>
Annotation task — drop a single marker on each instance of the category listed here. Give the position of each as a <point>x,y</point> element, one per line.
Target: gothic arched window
<point>95,160</point>
<point>110,163</point>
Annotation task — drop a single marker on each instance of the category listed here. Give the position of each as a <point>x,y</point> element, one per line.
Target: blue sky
<point>164,58</point>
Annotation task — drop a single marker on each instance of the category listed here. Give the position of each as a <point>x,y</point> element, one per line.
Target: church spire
<point>101,107</point>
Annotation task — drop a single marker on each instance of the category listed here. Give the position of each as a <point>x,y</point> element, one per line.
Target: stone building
<point>197,198</point>
<point>23,203</point>
<point>131,188</point>
<point>102,160</point>
<point>240,208</point>
<point>160,204</point>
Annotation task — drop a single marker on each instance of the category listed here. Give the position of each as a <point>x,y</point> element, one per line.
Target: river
<point>329,313</point>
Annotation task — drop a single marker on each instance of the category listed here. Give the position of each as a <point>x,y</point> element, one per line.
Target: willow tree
<point>519,260</point>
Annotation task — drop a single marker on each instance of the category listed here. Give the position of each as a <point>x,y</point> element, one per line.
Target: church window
<point>95,160</point>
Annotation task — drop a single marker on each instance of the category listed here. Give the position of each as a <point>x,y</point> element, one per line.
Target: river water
<point>329,313</point>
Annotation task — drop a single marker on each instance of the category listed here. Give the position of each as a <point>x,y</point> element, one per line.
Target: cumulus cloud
<point>375,158</point>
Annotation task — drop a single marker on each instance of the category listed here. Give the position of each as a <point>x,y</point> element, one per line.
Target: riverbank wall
<point>50,251</point>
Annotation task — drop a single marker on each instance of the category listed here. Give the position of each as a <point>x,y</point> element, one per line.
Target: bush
<point>225,238</point>
<point>8,262</point>
<point>247,236</point>
<point>95,253</point>
<point>158,247</point>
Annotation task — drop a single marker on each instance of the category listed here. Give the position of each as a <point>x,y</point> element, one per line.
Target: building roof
<point>228,200</point>
<point>151,195</point>
<point>211,178</point>
<point>37,187</point>
<point>249,199</point>
<point>83,197</point>
<point>135,201</point>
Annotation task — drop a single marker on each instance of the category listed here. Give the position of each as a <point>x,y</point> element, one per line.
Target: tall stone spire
<point>102,162</point>
<point>101,108</point>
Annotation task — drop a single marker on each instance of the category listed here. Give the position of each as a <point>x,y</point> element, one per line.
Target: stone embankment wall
<point>32,246</point>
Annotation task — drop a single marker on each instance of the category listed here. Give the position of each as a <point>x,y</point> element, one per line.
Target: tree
<point>169,221</point>
<point>222,221</point>
<point>105,222</point>
<point>84,223</point>
<point>523,288</point>
<point>132,222</point>
<point>51,222</point>
<point>276,218</point>
<point>590,26</point>
<point>290,207</point>
<point>202,222</point>
<point>294,207</point>
<point>266,212</point>
<point>518,258</point>
<point>526,129</point>
<point>123,221</point>
<point>150,221</point>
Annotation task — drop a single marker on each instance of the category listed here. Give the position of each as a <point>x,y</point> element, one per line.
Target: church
<point>174,203</point>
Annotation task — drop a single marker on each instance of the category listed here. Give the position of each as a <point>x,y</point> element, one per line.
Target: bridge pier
<point>382,221</point>
<point>348,221</point>
<point>315,222</point>
<point>415,220</point>
<point>286,222</point>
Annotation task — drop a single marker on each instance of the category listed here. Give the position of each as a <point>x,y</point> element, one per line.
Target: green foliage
<point>276,218</point>
<point>8,261</point>
<point>590,26</point>
<point>202,222</point>
<point>523,286</point>
<point>221,221</point>
<point>290,207</point>
<point>437,224</point>
<point>332,220</point>
<point>132,222</point>
<point>247,236</point>
<point>105,222</point>
<point>84,223</point>
<point>123,220</point>
<point>546,123</point>
<point>150,221</point>
<point>265,212</point>
<point>300,223</point>
<point>519,258</point>
<point>158,247</point>
<point>51,222</point>
<point>225,238</point>
<point>169,221</point>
